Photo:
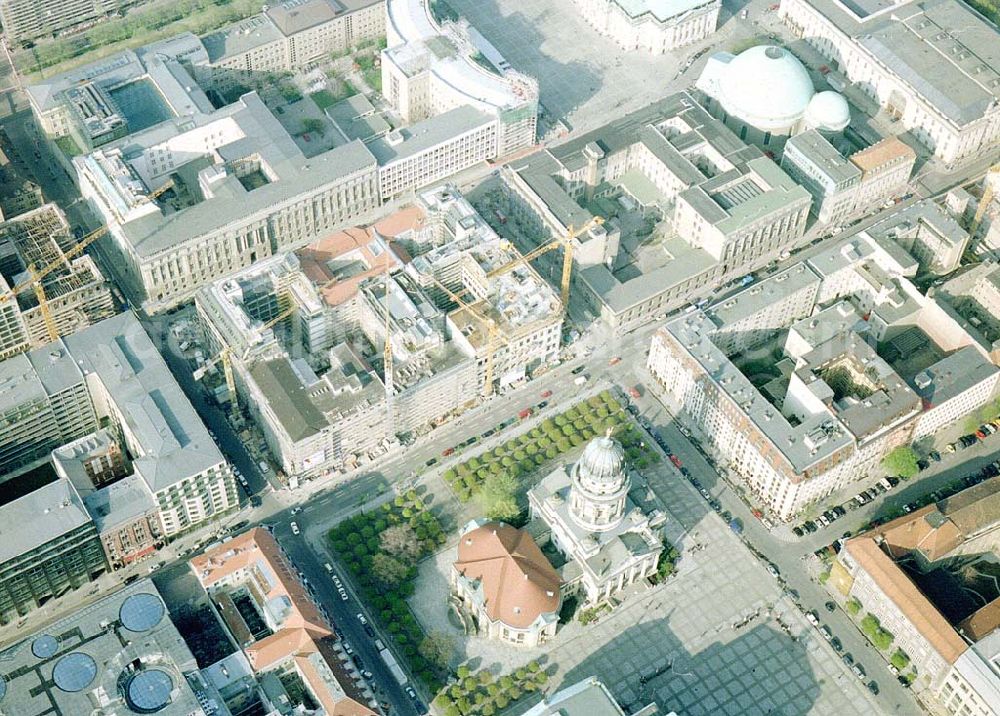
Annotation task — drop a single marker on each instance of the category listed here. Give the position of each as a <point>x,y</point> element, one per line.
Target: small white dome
<point>828,111</point>
<point>766,87</point>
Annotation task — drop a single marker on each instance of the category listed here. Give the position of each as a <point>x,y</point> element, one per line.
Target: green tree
<point>899,659</point>
<point>901,461</point>
<point>853,606</point>
<point>312,125</point>
<point>438,648</point>
<point>498,497</point>
<point>388,571</point>
<point>883,639</point>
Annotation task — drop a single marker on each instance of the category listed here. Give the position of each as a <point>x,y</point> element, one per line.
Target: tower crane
<point>43,306</point>
<point>984,200</point>
<point>36,276</point>
<point>566,242</point>
<point>493,333</point>
<point>225,355</point>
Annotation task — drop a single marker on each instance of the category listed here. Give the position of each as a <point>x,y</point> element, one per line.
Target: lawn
<point>556,436</point>
<point>140,26</point>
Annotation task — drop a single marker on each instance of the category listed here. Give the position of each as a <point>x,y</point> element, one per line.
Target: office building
<point>121,94</point>
<point>119,655</point>
<point>845,186</point>
<point>279,628</point>
<point>505,583</point>
<point>49,546</point>
<point>826,174</point>
<point>655,27</point>
<point>73,289</point>
<point>288,36</point>
<point>930,64</point>
<point>589,697</point>
<point>432,68</point>
<point>907,574</point>
<point>239,196</point>
<point>727,208</point>
<point>27,20</point>
<point>111,374</point>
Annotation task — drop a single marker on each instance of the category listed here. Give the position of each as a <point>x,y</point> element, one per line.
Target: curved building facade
<point>430,68</point>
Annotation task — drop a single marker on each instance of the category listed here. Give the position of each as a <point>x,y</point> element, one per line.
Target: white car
<point>295,528</point>
<point>328,567</point>
<point>343,593</point>
<point>361,618</point>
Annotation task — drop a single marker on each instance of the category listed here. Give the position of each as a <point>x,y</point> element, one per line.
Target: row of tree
<point>381,550</point>
<point>480,694</point>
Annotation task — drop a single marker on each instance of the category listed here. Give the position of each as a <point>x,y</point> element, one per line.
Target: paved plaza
<point>676,644</point>
<point>584,77</point>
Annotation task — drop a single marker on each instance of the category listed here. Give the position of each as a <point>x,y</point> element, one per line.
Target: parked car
<point>579,369</point>
<point>858,670</point>
<point>797,531</point>
<point>830,606</point>
<point>810,526</point>
<point>825,631</point>
<point>448,451</point>
<point>773,571</point>
<point>873,687</point>
<point>431,462</point>
<point>348,649</point>
<point>848,659</point>
<point>546,393</point>
<point>813,618</point>
<point>361,618</point>
<point>295,528</point>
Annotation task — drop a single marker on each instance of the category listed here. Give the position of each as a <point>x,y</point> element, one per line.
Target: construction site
<point>48,286</point>
<point>375,335</point>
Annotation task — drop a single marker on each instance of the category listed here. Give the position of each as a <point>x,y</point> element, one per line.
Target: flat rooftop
<point>764,293</point>
<point>660,10</point>
<point>121,651</point>
<point>945,51</point>
<point>240,37</point>
<point>921,216</point>
<point>40,516</point>
<point>818,150</point>
<point>174,441</point>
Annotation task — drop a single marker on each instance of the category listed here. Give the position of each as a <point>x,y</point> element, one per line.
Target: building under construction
<point>379,332</point>
<point>71,293</point>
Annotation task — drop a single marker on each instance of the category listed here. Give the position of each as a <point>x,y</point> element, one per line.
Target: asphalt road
<point>309,560</point>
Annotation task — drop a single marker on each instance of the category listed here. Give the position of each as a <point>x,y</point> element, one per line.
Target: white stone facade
<point>650,25</point>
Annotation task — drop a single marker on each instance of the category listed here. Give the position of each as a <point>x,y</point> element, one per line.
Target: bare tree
<point>400,541</point>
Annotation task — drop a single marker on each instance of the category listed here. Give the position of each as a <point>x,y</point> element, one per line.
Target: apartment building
<point>655,27</point>
<point>49,546</point>
<point>431,68</point>
<point>289,36</point>
<point>951,648</point>
<point>123,510</point>
<point>729,207</point>
<point>929,233</point>
<point>26,20</point>
<point>298,641</point>
<point>885,167</point>
<point>76,294</point>
<point>950,105</point>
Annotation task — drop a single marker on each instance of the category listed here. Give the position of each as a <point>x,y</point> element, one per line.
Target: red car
<point>524,413</point>
<point>676,461</point>
<point>634,392</point>
<point>449,451</point>
<point>547,394</point>
<point>615,361</point>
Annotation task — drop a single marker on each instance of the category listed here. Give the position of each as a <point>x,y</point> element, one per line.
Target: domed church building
<point>765,95</point>
<point>609,541</point>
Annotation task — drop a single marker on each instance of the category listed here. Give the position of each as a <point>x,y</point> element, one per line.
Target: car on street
<point>812,617</point>
<point>676,461</point>
<point>546,393</point>
<point>296,510</point>
<point>431,462</point>
<point>830,606</point>
<point>873,687</point>
<point>579,369</point>
<point>295,528</point>
<point>848,659</point>
<point>810,526</point>
<point>348,649</point>
<point>343,594</point>
<point>825,631</point>
<point>615,361</point>
<point>361,618</point>
<point>448,451</point>
<point>858,670</point>
<point>328,567</point>
<point>367,675</point>
<point>410,692</point>
<point>797,531</point>
<point>634,392</point>
<point>835,643</point>
<point>773,571</point>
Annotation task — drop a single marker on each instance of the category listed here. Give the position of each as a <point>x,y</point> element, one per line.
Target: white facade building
<point>930,64</point>
<point>429,69</point>
<point>656,26</point>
